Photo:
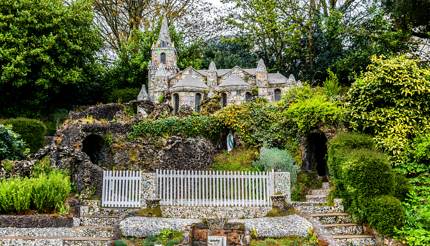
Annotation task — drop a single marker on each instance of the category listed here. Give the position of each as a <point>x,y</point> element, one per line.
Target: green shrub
<point>124,95</point>
<point>32,131</point>
<point>15,195</point>
<point>401,186</point>
<point>191,126</point>
<point>278,160</point>
<point>42,166</point>
<point>50,191</point>
<point>166,237</point>
<point>339,150</point>
<point>367,173</point>
<point>239,159</point>
<point>385,213</point>
<point>11,145</point>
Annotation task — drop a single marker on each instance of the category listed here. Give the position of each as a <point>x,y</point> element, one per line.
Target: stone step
<point>354,240</point>
<point>320,192</point>
<point>59,232</point>
<point>100,221</point>
<point>344,229</point>
<point>332,218</point>
<point>47,241</point>
<point>326,185</point>
<point>316,207</point>
<point>316,198</point>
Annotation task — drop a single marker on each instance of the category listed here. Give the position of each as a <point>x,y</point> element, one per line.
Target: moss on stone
<point>149,212</point>
<point>276,212</point>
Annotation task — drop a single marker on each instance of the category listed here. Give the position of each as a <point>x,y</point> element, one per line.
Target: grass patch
<point>306,181</point>
<point>287,241</point>
<point>276,212</point>
<point>239,159</point>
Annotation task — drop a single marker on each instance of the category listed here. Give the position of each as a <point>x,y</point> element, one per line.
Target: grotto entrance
<point>315,153</point>
<point>93,146</point>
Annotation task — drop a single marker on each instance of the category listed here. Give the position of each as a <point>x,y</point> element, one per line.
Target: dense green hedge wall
<point>361,174</point>
<point>45,193</point>
<point>32,131</point>
<point>190,126</point>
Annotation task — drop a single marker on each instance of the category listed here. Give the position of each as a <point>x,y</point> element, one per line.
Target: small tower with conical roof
<point>212,75</point>
<point>261,72</point>
<point>163,61</point>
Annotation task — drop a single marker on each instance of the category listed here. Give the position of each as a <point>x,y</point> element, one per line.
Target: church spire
<point>261,67</point>
<point>212,67</point>
<point>164,39</point>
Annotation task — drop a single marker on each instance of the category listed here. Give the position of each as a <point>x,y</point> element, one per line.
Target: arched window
<point>224,99</point>
<point>176,103</point>
<point>163,44</point>
<point>163,58</point>
<point>248,96</point>
<point>277,94</point>
<point>197,102</point>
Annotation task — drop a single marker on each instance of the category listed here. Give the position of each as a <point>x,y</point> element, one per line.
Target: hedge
<point>385,213</point>
<point>124,95</point>
<point>190,126</point>
<point>32,131</point>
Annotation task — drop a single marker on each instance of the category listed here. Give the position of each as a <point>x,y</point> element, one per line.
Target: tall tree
<point>46,46</point>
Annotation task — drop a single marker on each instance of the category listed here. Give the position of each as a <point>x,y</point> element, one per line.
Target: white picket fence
<point>121,189</point>
<point>214,188</point>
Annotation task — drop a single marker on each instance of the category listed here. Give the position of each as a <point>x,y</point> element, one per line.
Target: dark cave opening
<point>315,153</point>
<point>93,146</point>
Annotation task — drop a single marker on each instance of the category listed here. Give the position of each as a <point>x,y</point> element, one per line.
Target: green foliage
<point>50,191</point>
<point>401,186</point>
<point>11,145</point>
<point>385,213</point>
<point>391,100</point>
<point>124,95</point>
<point>32,131</point>
<point>166,237</point>
<point>48,52</point>
<point>45,193</point>
<point>42,167</point>
<point>286,241</point>
<point>367,173</point>
<point>313,113</point>
<point>150,212</point>
<point>191,126</point>
<point>332,87</point>
<point>306,181</point>
<point>256,123</point>
<point>278,160</point>
<point>239,159</point>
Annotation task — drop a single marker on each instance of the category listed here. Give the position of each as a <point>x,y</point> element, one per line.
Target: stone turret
<point>261,72</point>
<point>163,61</point>
<point>212,75</point>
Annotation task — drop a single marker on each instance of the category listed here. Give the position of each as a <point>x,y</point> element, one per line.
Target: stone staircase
<point>331,223</point>
<point>80,235</point>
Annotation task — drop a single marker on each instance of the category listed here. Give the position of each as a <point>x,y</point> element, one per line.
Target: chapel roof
<point>233,81</point>
<point>189,81</point>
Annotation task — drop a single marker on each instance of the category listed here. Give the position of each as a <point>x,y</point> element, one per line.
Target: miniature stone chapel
<point>190,86</point>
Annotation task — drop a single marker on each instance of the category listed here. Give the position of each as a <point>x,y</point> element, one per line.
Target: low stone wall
<point>283,185</point>
<point>27,221</point>
<point>195,212</point>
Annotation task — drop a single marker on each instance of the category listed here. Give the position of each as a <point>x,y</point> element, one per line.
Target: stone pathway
<point>80,235</point>
<point>331,223</point>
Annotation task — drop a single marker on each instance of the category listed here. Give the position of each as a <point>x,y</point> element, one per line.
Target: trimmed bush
<point>11,145</point>
<point>367,173</point>
<point>32,131</point>
<point>306,181</point>
<point>124,95</point>
<point>385,213</point>
<point>278,160</point>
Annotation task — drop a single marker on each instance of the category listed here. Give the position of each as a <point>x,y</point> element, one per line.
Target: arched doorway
<point>197,102</point>
<point>248,96</point>
<point>315,153</point>
<point>223,99</point>
<point>175,103</point>
<point>278,94</point>
<point>93,146</point>
<point>163,58</point>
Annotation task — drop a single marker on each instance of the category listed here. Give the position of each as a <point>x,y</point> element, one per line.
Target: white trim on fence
<point>121,189</point>
<point>214,188</point>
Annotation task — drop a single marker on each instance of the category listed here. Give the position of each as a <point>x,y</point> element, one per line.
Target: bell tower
<point>163,53</point>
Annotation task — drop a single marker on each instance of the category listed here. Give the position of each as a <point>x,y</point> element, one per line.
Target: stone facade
<point>191,86</point>
<point>196,212</point>
<point>283,185</point>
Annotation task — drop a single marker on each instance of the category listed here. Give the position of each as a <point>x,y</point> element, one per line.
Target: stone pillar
<point>283,185</point>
